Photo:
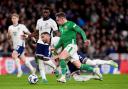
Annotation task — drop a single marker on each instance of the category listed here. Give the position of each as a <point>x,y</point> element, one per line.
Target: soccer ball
<point>32,79</point>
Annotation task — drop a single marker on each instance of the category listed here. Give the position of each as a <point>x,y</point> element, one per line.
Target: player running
<point>45,24</point>
<point>68,31</point>
<point>17,33</point>
<point>67,41</point>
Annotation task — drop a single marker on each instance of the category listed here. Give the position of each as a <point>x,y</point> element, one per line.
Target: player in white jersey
<point>17,32</point>
<point>45,24</point>
<point>83,59</point>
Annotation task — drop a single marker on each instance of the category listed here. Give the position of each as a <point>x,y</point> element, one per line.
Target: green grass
<point>109,82</point>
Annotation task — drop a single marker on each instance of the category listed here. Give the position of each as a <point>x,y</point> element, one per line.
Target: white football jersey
<point>54,42</point>
<point>46,26</point>
<point>16,33</point>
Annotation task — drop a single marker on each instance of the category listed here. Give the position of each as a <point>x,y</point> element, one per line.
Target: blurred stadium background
<point>104,21</point>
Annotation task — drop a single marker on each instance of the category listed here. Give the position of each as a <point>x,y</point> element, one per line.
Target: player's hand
<point>87,43</point>
<point>24,36</point>
<point>55,57</point>
<point>33,39</point>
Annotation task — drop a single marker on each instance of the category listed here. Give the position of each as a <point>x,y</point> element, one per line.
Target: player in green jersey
<point>68,31</point>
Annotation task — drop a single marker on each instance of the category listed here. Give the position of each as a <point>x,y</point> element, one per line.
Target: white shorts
<point>74,57</point>
<point>72,50</point>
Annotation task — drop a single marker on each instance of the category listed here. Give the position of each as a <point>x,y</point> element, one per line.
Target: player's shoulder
<point>51,20</point>
<point>21,25</point>
<point>71,22</point>
<point>10,26</point>
<point>39,20</point>
<point>55,38</point>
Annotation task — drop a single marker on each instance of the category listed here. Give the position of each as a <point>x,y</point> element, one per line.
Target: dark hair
<point>45,33</point>
<point>61,14</point>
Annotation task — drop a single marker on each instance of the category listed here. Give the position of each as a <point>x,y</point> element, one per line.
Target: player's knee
<point>78,66</point>
<point>62,57</point>
<point>14,55</point>
<point>26,62</point>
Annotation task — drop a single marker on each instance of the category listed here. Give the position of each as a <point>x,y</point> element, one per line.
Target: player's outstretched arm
<point>82,33</point>
<point>32,36</point>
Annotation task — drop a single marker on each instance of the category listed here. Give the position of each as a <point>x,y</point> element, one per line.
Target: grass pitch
<point>109,82</point>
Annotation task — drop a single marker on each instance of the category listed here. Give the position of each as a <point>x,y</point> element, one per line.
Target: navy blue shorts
<point>72,67</point>
<point>43,50</point>
<point>20,50</point>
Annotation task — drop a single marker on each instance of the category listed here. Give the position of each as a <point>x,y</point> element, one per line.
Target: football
<point>32,79</point>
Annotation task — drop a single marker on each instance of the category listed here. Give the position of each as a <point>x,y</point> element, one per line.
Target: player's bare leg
<point>78,64</point>
<point>42,70</point>
<point>17,61</point>
<point>101,62</point>
<point>51,64</point>
<point>28,64</point>
<point>63,55</point>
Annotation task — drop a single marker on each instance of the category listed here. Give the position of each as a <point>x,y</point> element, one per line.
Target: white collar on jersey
<point>15,25</point>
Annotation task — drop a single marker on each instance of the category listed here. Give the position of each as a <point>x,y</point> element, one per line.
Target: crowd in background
<point>104,21</point>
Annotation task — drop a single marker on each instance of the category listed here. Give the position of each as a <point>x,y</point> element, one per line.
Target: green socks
<point>63,66</point>
<point>86,67</point>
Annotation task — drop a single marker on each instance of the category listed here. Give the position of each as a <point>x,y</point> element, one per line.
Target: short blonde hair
<point>15,15</point>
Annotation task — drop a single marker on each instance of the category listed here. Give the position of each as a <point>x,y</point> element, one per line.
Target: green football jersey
<point>68,33</point>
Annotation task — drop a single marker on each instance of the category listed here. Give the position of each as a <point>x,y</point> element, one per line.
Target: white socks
<point>42,69</point>
<point>90,62</point>
<point>18,65</point>
<point>100,62</point>
<point>50,63</point>
<point>97,62</point>
<point>28,64</point>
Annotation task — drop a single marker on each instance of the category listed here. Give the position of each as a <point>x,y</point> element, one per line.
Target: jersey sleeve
<point>9,28</point>
<point>37,25</point>
<point>58,45</point>
<point>54,25</point>
<point>25,29</point>
<point>55,41</point>
<point>80,31</point>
